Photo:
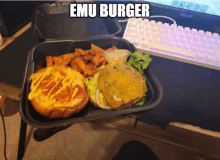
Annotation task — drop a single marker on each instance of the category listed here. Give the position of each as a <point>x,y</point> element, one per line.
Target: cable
<point>157,16</point>
<point>4,133</point>
<point>174,22</point>
<point>122,20</point>
<point>119,30</point>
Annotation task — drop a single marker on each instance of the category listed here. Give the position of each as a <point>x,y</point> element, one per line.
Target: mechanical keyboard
<point>174,42</point>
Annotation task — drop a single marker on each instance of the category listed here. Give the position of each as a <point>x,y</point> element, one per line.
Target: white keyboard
<point>174,42</point>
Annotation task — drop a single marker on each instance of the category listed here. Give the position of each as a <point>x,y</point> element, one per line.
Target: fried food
<point>58,92</point>
<point>97,60</point>
<point>88,57</point>
<point>83,66</point>
<point>96,48</point>
<point>49,60</point>
<point>80,51</point>
<point>86,62</point>
<point>75,66</point>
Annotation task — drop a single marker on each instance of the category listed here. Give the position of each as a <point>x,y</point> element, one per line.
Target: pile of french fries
<point>87,62</point>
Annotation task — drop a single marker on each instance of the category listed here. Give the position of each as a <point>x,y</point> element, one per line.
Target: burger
<point>58,92</point>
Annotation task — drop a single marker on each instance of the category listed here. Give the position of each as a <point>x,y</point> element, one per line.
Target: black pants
<point>135,150</point>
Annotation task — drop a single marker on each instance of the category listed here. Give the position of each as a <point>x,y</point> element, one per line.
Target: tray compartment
<point>37,61</point>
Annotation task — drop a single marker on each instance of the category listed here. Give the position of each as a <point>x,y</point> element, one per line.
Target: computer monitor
<point>203,6</point>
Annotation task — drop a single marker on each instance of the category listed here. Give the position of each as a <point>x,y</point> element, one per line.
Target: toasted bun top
<point>121,84</point>
<point>57,86</point>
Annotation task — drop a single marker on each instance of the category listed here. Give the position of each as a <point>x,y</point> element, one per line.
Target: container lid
<point>53,22</point>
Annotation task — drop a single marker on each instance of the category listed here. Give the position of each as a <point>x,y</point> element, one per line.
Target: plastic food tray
<point>56,44</point>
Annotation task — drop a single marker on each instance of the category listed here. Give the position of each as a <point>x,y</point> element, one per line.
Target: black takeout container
<point>37,60</point>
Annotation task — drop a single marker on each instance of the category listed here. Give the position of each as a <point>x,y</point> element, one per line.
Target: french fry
<point>97,60</point>
<point>93,53</point>
<point>88,57</point>
<point>96,48</point>
<point>80,51</point>
<point>83,66</point>
<point>58,60</point>
<point>75,66</point>
<point>49,60</point>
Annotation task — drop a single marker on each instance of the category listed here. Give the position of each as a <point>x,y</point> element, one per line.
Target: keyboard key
<point>156,34</point>
<point>184,40</point>
<point>176,38</point>
<point>137,43</point>
<point>187,29</point>
<point>180,28</point>
<point>210,59</point>
<point>169,37</point>
<point>215,35</point>
<point>159,24</point>
<point>208,33</point>
<point>173,26</point>
<point>201,32</point>
<point>198,43</point>
<point>204,39</point>
<point>161,30</point>
<point>202,50</point>
<point>209,51</point>
<point>200,56</point>
<point>190,36</point>
<point>172,50</point>
<point>132,19</point>
<point>168,31</point>
<point>212,40</point>
<point>165,42</point>
<point>194,48</point>
<point>147,33</point>
<point>157,40</point>
<point>179,45</point>
<point>145,20</point>
<point>183,34</point>
<point>186,47</point>
<point>213,47</point>
<point>172,44</point>
<point>151,39</point>
<point>139,20</point>
<point>176,33</point>
<point>166,25</point>
<point>218,60</point>
<point>152,22</point>
<point>145,45</point>
<point>162,36</point>
<point>217,53</point>
<point>206,45</point>
<point>194,30</point>
<point>128,38</point>
<point>197,37</point>
<point>191,41</point>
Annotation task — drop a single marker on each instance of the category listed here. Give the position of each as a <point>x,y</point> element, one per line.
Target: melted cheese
<point>57,78</point>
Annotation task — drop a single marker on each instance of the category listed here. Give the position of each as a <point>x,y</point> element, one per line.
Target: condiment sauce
<point>117,56</point>
<point>55,87</point>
